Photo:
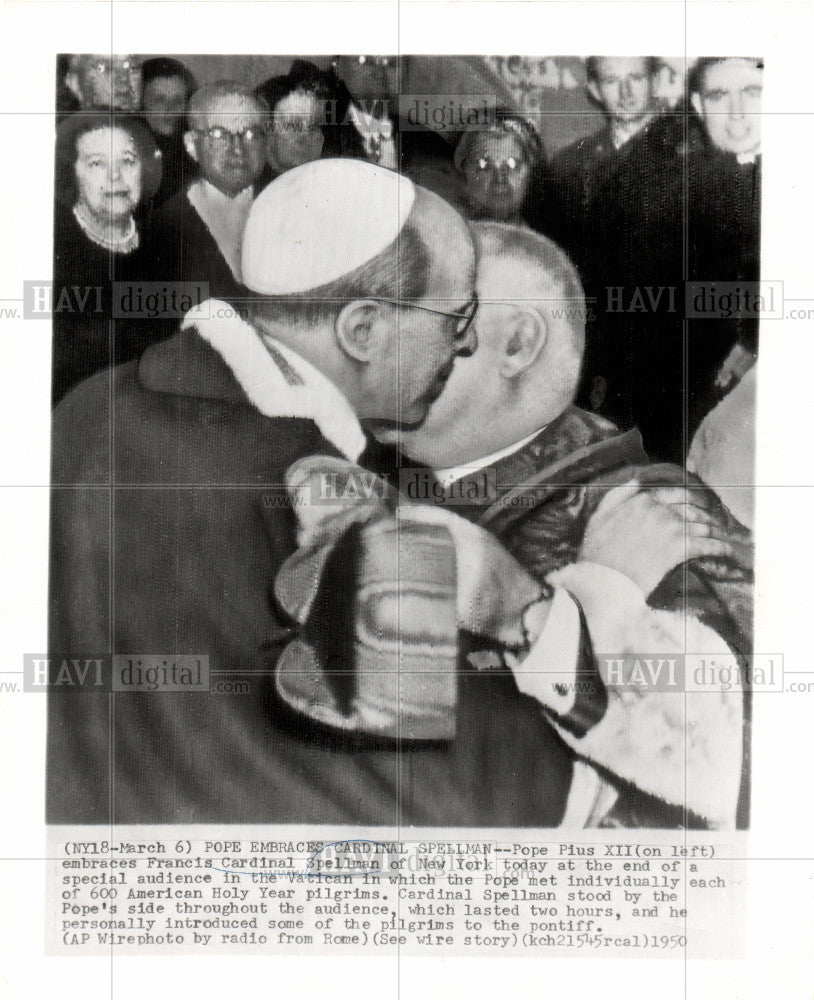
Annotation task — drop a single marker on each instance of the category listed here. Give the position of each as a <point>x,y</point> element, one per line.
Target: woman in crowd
<point>105,166</point>
<point>498,165</point>
<point>309,118</point>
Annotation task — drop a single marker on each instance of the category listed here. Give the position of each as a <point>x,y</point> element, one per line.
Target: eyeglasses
<point>487,163</point>
<point>223,137</point>
<point>464,317</point>
<point>105,66</point>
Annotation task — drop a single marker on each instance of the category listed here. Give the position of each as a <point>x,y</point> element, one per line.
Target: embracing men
<point>401,667</point>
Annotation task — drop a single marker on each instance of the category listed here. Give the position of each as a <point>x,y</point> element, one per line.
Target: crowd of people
<point>377,303</point>
<point>656,199</point>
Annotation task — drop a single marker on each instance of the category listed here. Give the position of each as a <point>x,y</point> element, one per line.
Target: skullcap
<point>319,221</point>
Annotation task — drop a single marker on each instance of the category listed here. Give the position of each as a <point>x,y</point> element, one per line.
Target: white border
<point>779,952</point>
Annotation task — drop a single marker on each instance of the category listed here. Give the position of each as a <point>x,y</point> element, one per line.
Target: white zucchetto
<point>319,221</point>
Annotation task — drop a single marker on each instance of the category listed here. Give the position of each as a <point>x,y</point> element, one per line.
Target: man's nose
<point>236,142</point>
<point>627,88</point>
<point>736,106</point>
<point>468,343</point>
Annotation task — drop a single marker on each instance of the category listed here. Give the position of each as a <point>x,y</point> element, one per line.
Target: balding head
<point>531,338</point>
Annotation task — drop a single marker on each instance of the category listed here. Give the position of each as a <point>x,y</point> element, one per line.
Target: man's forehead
<point>732,74</point>
<point>622,65</point>
<point>166,85</point>
<point>492,142</point>
<point>227,109</point>
<point>92,62</point>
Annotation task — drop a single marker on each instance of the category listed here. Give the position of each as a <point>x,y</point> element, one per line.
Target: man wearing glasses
<point>112,82</point>
<point>362,296</point>
<point>197,233</point>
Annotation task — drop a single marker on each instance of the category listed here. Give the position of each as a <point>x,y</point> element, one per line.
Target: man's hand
<point>646,532</point>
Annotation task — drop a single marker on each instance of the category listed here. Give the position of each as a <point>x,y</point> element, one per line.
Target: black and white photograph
<point>403,440</point>
<point>405,528</point>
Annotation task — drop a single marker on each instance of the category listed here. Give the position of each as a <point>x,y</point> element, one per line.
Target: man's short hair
<point>162,68</point>
<point>400,271</point>
<point>551,281</point>
<point>209,92</point>
<point>698,74</point>
<point>592,65</point>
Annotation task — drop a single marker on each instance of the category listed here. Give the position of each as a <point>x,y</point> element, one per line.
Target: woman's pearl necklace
<point>117,244</point>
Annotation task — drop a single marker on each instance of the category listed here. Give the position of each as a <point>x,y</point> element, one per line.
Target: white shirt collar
<point>224,216</point>
<point>449,476</point>
<point>622,132</point>
<point>277,381</point>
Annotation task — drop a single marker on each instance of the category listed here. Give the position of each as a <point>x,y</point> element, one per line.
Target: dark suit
<point>183,249</point>
<point>621,215</point>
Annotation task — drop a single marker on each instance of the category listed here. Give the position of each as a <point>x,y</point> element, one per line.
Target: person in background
<point>310,118</point>
<point>723,224</point>
<point>196,234</point>
<point>727,94</point>
<point>615,205</point>
<point>583,200</point>
<point>559,479</point>
<point>105,81</point>
<point>167,88</point>
<point>497,164</point>
<point>105,165</point>
<point>623,90</point>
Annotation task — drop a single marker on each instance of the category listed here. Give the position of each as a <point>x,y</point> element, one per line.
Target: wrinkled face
<point>420,348</point>
<point>110,82</point>
<point>296,135</point>
<point>108,174</point>
<point>497,175</point>
<point>730,105</point>
<point>165,101</point>
<point>624,88</point>
<point>229,143</point>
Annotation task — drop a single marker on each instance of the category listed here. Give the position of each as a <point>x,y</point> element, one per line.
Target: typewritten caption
<point>296,890</point>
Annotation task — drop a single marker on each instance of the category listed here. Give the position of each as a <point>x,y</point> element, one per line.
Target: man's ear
<point>356,331</point>
<point>526,332</point>
<point>698,104</point>
<point>191,145</point>
<point>72,83</point>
